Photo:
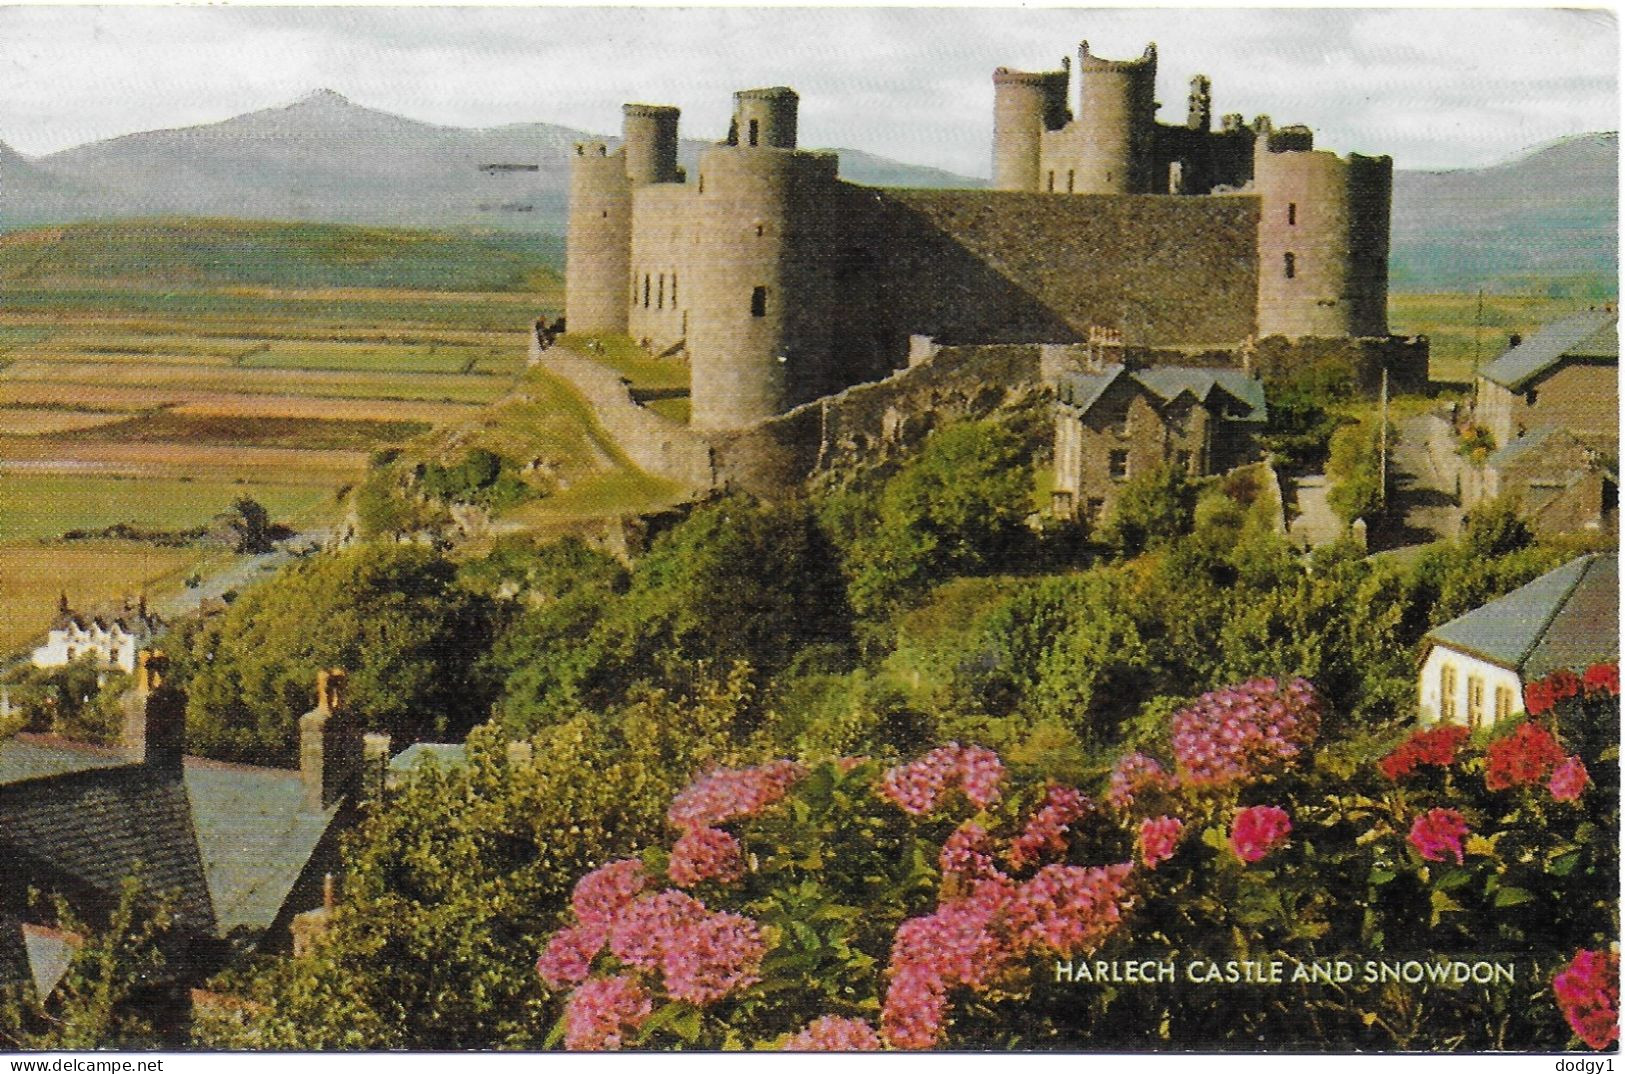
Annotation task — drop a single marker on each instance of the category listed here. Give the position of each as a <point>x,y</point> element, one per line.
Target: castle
<point>782,283</point>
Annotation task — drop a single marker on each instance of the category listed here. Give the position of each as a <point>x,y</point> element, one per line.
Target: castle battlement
<point>782,283</point>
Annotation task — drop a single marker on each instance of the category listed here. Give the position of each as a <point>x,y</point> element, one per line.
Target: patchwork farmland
<point>153,372</point>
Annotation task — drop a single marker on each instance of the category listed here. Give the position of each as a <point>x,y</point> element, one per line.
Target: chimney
<point>153,730</point>
<point>329,744</point>
<point>374,765</point>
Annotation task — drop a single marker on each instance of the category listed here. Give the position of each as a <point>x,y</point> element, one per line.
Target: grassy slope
<point>1458,336</point>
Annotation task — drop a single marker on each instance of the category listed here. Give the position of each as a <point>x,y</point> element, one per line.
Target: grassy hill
<point>185,252</point>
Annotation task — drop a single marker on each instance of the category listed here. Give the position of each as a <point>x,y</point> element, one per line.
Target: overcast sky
<point>1452,87</point>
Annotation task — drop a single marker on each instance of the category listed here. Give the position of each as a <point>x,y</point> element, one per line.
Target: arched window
<point>1289,265</point>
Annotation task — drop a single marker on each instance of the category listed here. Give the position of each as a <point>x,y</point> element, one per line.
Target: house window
<point>1069,174</point>
<point>758,302</point>
<point>1118,465</point>
<point>1093,511</point>
<point>1447,692</point>
<point>1182,459</point>
<point>1503,703</point>
<point>1292,213</point>
<point>1289,265</point>
<point>1475,702</point>
<point>755,130</point>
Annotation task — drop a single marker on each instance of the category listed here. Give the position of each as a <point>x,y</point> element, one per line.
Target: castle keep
<point>782,283</point>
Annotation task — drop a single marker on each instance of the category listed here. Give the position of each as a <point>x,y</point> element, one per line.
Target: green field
<point>34,506</point>
<point>89,573</point>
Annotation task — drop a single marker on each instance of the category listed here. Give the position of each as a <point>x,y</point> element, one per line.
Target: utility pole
<point>1478,334</point>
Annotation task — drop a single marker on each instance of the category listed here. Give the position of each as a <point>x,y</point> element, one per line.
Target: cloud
<point>1433,88</point>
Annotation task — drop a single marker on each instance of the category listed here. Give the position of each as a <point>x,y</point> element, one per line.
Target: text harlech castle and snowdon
<point>783,283</point>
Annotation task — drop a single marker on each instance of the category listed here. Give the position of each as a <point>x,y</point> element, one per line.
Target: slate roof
<point>1526,444</point>
<point>1566,618</point>
<point>230,841</point>
<point>1584,335</point>
<point>1246,395</point>
<point>441,754</point>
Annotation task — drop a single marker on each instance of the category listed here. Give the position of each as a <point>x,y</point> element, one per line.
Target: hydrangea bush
<point>854,905</point>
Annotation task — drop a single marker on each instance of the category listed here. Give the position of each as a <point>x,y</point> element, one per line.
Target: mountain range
<point>1547,213</point>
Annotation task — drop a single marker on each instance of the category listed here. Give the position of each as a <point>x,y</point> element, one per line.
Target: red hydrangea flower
<point>1068,910</point>
<point>832,1033</point>
<point>727,794</point>
<point>599,1013</point>
<point>1436,746</point>
<point>1158,839</point>
<point>1537,697</point>
<point>1604,677</point>
<point>702,854</point>
<point>1522,758</point>
<point>1569,780</point>
<point>916,1003</point>
<point>1258,830</point>
<point>603,893</point>
<point>640,936</point>
<point>968,854</point>
<point>1045,832</point>
<point>1135,775</point>
<point>918,787</point>
<point>1587,991</point>
<point>712,957</point>
<point>1229,735</point>
<point>1437,834</point>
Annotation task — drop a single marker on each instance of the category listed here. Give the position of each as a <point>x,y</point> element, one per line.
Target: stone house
<point>235,850</point>
<point>1476,666</point>
<point>1566,375</point>
<point>1113,423</point>
<point>114,640</point>
<point>1562,484</point>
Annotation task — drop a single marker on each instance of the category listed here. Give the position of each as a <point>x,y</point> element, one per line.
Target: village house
<point>1113,423</point>
<point>1477,665</point>
<point>114,640</point>
<point>234,850</point>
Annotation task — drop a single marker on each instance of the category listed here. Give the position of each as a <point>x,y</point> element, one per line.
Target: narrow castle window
<point>702,184</point>
<point>760,230</point>
<point>1052,182</point>
<point>1069,174</point>
<point>606,214</point>
<point>1292,213</point>
<point>758,302</point>
<point>674,290</point>
<point>645,290</point>
<point>660,293</point>
<point>1289,264</point>
<point>755,129</point>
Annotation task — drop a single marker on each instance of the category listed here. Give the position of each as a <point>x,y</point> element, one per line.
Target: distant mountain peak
<point>324,96</point>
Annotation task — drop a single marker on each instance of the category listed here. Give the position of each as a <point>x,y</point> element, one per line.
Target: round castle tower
<point>1025,105</point>
<point>1117,113</point>
<point>760,302</point>
<point>649,135</point>
<point>765,117</point>
<point>1322,237</point>
<point>598,246</point>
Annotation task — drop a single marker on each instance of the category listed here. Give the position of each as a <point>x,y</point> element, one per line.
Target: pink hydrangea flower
<point>641,934</point>
<point>1569,780</point>
<point>727,794</point>
<point>603,893</point>
<point>1159,838</point>
<point>968,854</point>
<point>916,1004</point>
<point>567,960</point>
<point>1133,776</point>
<point>1437,834</point>
<point>712,957</point>
<point>917,787</point>
<point>702,854</point>
<point>1258,830</point>
<point>1229,735</point>
<point>957,942</point>
<point>1045,831</point>
<point>832,1033</point>
<point>1587,991</point>
<point>1068,910</point>
<point>599,1014</point>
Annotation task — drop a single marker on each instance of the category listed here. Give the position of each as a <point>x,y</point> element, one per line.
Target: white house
<point>1477,664</point>
<point>113,640</point>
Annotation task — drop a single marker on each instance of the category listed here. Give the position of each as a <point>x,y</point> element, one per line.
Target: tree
<point>1153,508</point>
<point>391,615</point>
<point>248,527</point>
